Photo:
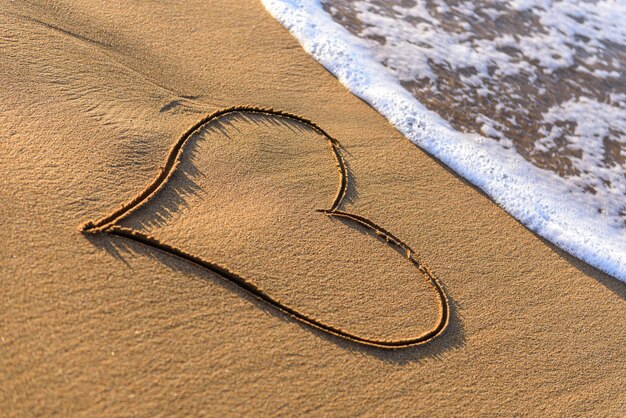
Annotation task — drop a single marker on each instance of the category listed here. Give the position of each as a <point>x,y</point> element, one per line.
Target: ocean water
<point>526,99</point>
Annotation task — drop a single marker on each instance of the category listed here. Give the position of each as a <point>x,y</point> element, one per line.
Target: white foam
<point>547,204</point>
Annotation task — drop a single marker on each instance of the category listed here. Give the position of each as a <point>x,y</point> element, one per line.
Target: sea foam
<point>550,205</point>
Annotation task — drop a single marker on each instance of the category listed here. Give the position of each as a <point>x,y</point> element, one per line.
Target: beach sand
<point>93,98</point>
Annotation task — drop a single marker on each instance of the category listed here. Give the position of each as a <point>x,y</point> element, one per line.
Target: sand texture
<point>94,98</point>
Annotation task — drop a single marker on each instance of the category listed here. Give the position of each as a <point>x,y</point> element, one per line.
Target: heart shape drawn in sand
<point>259,220</point>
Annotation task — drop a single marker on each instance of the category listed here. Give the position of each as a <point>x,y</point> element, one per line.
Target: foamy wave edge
<point>524,191</point>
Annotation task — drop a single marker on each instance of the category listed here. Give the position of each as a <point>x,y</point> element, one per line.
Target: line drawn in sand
<point>109,224</point>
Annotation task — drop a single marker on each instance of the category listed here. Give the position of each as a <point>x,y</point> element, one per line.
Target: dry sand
<point>93,98</point>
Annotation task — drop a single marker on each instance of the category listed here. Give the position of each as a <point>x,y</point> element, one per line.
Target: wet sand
<point>94,97</point>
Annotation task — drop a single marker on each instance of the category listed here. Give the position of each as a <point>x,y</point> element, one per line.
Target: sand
<point>93,98</point>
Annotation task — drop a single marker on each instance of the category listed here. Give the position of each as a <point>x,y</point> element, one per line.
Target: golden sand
<point>95,97</point>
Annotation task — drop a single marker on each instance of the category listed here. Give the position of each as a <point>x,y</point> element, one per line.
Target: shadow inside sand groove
<point>170,200</point>
<point>453,336</point>
<point>351,193</point>
<point>183,182</point>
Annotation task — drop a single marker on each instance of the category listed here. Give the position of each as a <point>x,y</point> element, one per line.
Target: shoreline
<point>532,195</point>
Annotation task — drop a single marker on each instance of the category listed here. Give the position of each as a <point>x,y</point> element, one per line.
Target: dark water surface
<point>543,78</point>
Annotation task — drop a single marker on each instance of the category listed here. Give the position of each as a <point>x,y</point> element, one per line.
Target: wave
<point>550,205</point>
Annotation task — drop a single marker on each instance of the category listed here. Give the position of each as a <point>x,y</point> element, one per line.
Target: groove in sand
<point>108,224</point>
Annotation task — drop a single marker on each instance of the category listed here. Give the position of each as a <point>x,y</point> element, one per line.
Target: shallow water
<point>543,78</point>
<point>524,98</point>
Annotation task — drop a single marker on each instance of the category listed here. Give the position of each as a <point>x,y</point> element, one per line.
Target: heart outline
<point>107,224</point>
